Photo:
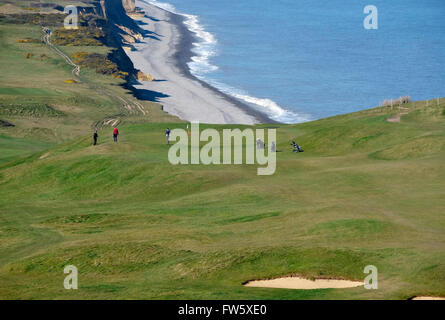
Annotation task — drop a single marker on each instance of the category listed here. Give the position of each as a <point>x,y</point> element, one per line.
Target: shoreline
<point>165,55</point>
<point>183,57</point>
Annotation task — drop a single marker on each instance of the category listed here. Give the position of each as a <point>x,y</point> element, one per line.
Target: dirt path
<point>130,108</point>
<point>396,118</point>
<point>47,40</point>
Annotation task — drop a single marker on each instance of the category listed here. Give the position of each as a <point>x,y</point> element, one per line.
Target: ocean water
<point>300,60</point>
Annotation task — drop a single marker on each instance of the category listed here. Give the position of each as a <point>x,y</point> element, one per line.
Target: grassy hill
<point>38,94</point>
<point>365,192</point>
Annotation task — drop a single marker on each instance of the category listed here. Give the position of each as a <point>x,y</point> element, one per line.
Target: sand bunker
<point>43,156</point>
<point>303,284</point>
<point>394,118</point>
<point>427,298</point>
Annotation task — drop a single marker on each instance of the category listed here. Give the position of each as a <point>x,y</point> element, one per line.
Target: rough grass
<point>137,227</point>
<point>37,81</point>
<point>365,191</point>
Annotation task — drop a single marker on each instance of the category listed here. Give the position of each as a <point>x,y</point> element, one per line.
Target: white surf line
<point>181,94</point>
<point>200,66</point>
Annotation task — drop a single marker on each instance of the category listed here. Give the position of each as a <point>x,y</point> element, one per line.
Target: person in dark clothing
<point>115,134</point>
<point>95,136</point>
<point>260,144</point>
<point>297,148</point>
<point>167,135</point>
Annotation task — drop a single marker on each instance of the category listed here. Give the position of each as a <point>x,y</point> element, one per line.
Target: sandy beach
<point>164,53</point>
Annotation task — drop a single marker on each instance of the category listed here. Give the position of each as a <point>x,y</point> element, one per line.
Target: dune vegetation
<point>366,191</point>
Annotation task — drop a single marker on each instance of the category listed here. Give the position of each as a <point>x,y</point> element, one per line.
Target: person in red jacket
<point>115,134</point>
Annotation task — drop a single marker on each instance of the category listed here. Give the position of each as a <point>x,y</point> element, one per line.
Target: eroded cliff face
<point>129,5</point>
<point>125,31</point>
<point>119,13</point>
<point>103,9</point>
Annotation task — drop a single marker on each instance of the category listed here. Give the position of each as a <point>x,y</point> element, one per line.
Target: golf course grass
<point>365,191</point>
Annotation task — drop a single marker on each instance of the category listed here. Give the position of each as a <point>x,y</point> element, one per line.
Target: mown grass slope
<point>36,98</point>
<point>364,192</point>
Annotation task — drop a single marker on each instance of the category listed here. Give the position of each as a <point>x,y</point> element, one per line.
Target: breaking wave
<point>204,49</point>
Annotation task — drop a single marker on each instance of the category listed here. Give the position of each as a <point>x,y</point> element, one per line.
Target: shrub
<point>83,36</point>
<point>50,19</point>
<point>29,40</point>
<point>99,62</point>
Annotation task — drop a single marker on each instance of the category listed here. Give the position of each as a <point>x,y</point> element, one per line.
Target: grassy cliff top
<point>366,191</point>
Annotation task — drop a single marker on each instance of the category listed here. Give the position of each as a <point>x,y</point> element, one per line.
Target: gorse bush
<point>99,62</point>
<point>31,9</point>
<point>29,40</point>
<point>50,19</point>
<point>84,36</point>
<point>79,57</point>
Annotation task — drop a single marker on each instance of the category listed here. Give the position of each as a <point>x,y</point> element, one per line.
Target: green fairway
<point>14,148</point>
<point>26,91</point>
<point>364,192</point>
<point>35,96</point>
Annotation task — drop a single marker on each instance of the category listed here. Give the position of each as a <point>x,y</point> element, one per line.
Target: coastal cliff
<point>117,13</point>
<point>129,5</point>
<point>118,9</point>
<point>123,31</point>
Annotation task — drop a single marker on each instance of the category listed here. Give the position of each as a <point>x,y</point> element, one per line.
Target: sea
<point>301,60</point>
